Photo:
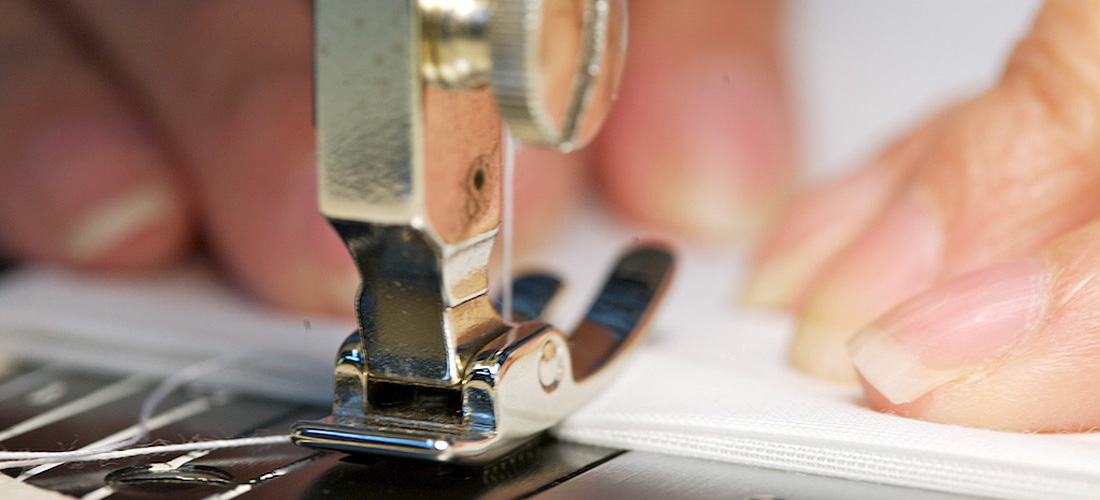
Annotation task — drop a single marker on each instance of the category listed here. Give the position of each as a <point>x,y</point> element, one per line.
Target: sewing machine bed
<point>45,407</point>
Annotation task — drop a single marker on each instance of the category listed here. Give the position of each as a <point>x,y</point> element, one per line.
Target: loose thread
<point>191,373</point>
<point>216,444</point>
<point>188,374</point>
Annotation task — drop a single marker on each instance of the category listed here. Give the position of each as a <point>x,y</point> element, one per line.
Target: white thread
<point>181,412</point>
<point>216,444</point>
<point>191,373</point>
<point>111,451</point>
<point>507,220</point>
<point>104,395</point>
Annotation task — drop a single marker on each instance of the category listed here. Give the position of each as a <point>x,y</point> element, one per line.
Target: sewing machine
<point>436,393</point>
<point>409,101</point>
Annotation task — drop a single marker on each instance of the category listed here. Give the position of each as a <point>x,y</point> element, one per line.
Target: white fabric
<point>711,381</point>
<point>10,489</point>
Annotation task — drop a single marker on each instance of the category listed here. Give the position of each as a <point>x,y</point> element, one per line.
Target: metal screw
<point>550,366</point>
<point>455,50</point>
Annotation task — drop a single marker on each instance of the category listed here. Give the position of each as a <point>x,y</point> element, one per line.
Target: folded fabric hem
<point>946,474</point>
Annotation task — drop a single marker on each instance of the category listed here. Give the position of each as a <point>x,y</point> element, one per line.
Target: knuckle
<point>1058,67</point>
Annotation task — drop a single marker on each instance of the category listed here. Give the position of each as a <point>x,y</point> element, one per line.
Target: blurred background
<point>865,70</point>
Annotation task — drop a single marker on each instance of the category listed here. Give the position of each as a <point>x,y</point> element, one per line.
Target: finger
<point>1002,175</point>
<point>232,84</point>
<point>82,180</point>
<point>700,140</point>
<point>259,193</point>
<point>820,223</point>
<point>1011,347</point>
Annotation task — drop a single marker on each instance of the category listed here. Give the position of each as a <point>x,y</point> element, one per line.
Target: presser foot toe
<point>519,384</point>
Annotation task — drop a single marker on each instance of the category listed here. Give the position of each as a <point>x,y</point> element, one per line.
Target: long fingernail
<point>895,259</point>
<point>813,230</point>
<point>947,333</point>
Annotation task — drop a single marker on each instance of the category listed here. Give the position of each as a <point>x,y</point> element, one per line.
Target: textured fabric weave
<point>710,382</point>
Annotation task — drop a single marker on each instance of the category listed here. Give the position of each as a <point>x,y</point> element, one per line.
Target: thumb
<point>1015,346</point>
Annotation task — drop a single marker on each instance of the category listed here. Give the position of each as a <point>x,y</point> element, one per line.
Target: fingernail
<point>946,334</point>
<point>813,230</point>
<point>103,228</point>
<point>894,259</point>
<point>97,183</point>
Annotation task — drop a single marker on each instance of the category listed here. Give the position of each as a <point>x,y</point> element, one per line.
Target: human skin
<point>135,130</point>
<point>964,254</point>
<point>956,278</point>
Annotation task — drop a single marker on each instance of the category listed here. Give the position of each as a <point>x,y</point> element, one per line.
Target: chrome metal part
<point>548,469</point>
<point>521,382</point>
<point>455,44</point>
<point>554,65</point>
<point>410,177</point>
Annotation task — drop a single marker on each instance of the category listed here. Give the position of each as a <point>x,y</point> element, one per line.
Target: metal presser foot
<point>409,100</point>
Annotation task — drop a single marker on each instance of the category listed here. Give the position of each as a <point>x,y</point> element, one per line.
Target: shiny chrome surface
<point>455,45</point>
<point>556,66</point>
<point>367,108</point>
<point>271,472</point>
<point>521,382</point>
<point>545,469</point>
<point>410,177</point>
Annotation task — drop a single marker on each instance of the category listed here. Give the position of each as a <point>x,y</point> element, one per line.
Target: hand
<point>978,236</point>
<point>134,129</point>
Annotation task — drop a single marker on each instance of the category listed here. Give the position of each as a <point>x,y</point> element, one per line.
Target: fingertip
<point>294,261</point>
<point>814,228</point>
<point>700,140</point>
<point>309,282</point>
<point>259,201</point>
<point>876,401</point>
<point>697,155</point>
<point>94,193</point>
<point>548,186</point>
<point>144,229</point>
<point>278,244</point>
<point>894,258</point>
<point>984,350</point>
<point>821,222</point>
<point>84,181</point>
<point>818,350</point>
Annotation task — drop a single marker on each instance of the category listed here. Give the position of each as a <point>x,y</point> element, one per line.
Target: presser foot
<point>519,384</point>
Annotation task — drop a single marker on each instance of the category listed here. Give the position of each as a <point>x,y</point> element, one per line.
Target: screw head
<point>551,366</point>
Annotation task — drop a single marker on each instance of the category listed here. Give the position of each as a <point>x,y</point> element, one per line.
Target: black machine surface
<point>45,407</point>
